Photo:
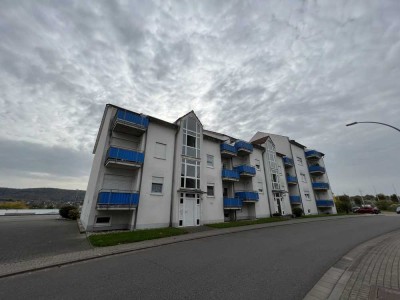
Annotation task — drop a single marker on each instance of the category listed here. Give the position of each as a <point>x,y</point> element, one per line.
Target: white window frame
<point>102,224</point>
<point>157,180</point>
<point>194,163</point>
<point>213,186</point>
<point>303,177</point>
<point>299,161</point>
<point>212,161</point>
<point>156,155</point>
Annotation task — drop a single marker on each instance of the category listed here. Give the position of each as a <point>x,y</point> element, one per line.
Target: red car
<point>368,209</point>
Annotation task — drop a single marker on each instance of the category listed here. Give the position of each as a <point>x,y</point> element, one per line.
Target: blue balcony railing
<point>232,203</point>
<point>291,179</point>
<point>288,161</point>
<point>320,185</point>
<point>324,203</point>
<point>230,174</point>
<point>316,169</point>
<point>313,154</point>
<point>243,146</point>
<point>125,155</point>
<point>295,199</point>
<point>245,170</point>
<point>110,199</point>
<point>132,118</point>
<point>228,149</point>
<point>247,196</point>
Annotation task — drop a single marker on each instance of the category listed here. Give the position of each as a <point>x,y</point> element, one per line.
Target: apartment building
<point>149,173</point>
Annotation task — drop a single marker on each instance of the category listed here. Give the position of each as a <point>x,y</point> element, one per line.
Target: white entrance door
<point>189,218</point>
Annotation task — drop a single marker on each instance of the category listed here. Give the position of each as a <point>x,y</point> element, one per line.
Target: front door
<point>278,202</point>
<point>190,212</point>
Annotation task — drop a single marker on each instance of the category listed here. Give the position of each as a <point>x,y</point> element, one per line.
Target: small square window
<point>157,185</point>
<point>257,163</point>
<point>260,187</point>
<point>307,196</point>
<point>210,190</point>
<point>210,161</point>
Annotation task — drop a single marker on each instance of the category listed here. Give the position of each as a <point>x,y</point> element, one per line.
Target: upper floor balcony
<point>249,197</point>
<point>324,203</point>
<point>230,175</point>
<point>232,203</point>
<point>320,185</point>
<point>291,179</point>
<point>117,200</point>
<point>119,157</point>
<point>288,162</point>
<point>295,199</point>
<point>130,122</point>
<point>316,170</point>
<point>228,150</point>
<point>245,170</point>
<point>313,154</point>
<point>243,147</point>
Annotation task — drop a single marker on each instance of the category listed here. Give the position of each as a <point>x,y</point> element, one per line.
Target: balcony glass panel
<point>230,174</point>
<point>320,185</point>
<point>110,198</point>
<point>131,117</point>
<point>228,148</point>
<point>288,161</point>
<point>245,169</point>
<point>324,203</point>
<point>313,154</point>
<point>247,196</point>
<point>242,145</point>
<point>232,203</point>
<point>125,155</point>
<point>295,199</point>
<point>316,169</point>
<point>291,179</point>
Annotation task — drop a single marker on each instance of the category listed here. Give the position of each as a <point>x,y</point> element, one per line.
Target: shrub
<point>297,211</point>
<point>64,211</point>
<point>383,204</point>
<point>73,214</point>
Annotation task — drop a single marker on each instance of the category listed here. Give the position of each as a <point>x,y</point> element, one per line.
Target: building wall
<point>282,179</point>
<point>262,205</point>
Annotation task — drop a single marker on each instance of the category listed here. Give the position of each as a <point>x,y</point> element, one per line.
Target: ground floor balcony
<point>324,203</point>
<point>228,150</point>
<point>316,170</point>
<point>232,203</point>
<point>130,122</point>
<point>320,185</point>
<point>117,200</point>
<point>288,162</point>
<point>243,148</point>
<point>313,154</point>
<point>230,175</point>
<point>245,170</point>
<point>292,180</point>
<point>247,197</point>
<point>119,157</point>
<point>295,199</point>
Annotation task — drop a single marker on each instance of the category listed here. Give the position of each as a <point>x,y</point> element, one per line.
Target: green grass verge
<point>111,239</point>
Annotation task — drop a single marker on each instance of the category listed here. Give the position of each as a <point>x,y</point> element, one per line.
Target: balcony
<point>243,147</point>
<point>230,175</point>
<point>320,185</point>
<point>247,197</point>
<point>295,199</point>
<point>324,203</point>
<point>228,150</point>
<point>232,203</point>
<point>288,162</point>
<point>316,170</point>
<point>313,154</point>
<point>117,200</point>
<point>130,122</point>
<point>291,179</point>
<point>123,158</point>
<point>245,170</point>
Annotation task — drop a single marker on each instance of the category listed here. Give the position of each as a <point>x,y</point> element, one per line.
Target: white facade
<point>148,173</point>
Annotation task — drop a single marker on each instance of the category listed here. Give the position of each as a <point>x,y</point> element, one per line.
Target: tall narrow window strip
<point>210,161</point>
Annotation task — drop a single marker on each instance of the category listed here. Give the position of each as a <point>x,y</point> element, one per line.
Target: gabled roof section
<point>262,140</point>
<point>185,115</point>
<point>297,144</point>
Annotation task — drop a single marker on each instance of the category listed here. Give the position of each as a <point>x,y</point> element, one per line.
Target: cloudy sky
<point>297,68</point>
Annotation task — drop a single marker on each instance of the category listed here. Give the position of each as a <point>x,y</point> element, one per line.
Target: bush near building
<point>65,210</point>
<point>343,204</point>
<point>297,211</point>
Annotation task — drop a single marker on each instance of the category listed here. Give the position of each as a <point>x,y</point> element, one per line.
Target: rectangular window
<point>225,192</point>
<point>210,161</point>
<point>157,185</point>
<point>307,196</point>
<point>210,190</point>
<point>299,161</point>
<point>190,174</point>
<point>280,170</point>
<point>103,220</point>
<point>257,163</point>
<point>260,187</point>
<point>303,177</point>
<point>160,151</point>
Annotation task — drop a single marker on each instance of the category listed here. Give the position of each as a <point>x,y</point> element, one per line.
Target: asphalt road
<point>29,237</point>
<point>281,262</point>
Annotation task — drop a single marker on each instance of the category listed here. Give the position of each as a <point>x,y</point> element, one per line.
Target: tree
<point>394,198</point>
<point>381,197</point>
<point>343,204</point>
<point>357,200</point>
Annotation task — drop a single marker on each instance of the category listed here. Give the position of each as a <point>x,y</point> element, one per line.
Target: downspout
<point>140,180</point>
<point>173,178</point>
<point>298,186</point>
<point>266,184</point>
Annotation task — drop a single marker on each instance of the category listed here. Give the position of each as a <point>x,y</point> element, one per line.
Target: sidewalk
<point>369,271</point>
<point>73,257</point>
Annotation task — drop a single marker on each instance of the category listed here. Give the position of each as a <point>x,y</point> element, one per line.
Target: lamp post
<point>354,123</point>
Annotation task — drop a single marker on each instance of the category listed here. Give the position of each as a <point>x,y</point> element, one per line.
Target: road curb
<point>7,270</point>
<point>333,282</point>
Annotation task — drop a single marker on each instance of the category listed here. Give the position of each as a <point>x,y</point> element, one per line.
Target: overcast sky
<point>298,68</point>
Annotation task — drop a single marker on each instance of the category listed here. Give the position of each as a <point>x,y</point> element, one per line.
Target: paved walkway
<point>9,269</point>
<point>370,271</point>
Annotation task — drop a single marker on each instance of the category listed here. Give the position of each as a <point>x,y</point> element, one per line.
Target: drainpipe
<point>173,178</point>
<point>266,184</point>
<point>141,177</point>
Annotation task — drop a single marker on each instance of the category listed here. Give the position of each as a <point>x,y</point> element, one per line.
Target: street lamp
<point>354,123</point>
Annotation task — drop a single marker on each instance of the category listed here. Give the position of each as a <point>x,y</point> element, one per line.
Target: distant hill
<point>42,195</point>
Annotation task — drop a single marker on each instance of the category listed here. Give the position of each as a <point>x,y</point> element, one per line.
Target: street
<point>281,262</point>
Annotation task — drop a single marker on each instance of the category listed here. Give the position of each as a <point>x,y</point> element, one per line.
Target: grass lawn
<point>116,238</point>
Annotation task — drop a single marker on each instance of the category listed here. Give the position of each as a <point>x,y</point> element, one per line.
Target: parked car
<point>355,209</point>
<point>368,209</point>
<point>398,209</point>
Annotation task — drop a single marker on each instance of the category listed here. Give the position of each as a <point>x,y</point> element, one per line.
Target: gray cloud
<point>297,68</point>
